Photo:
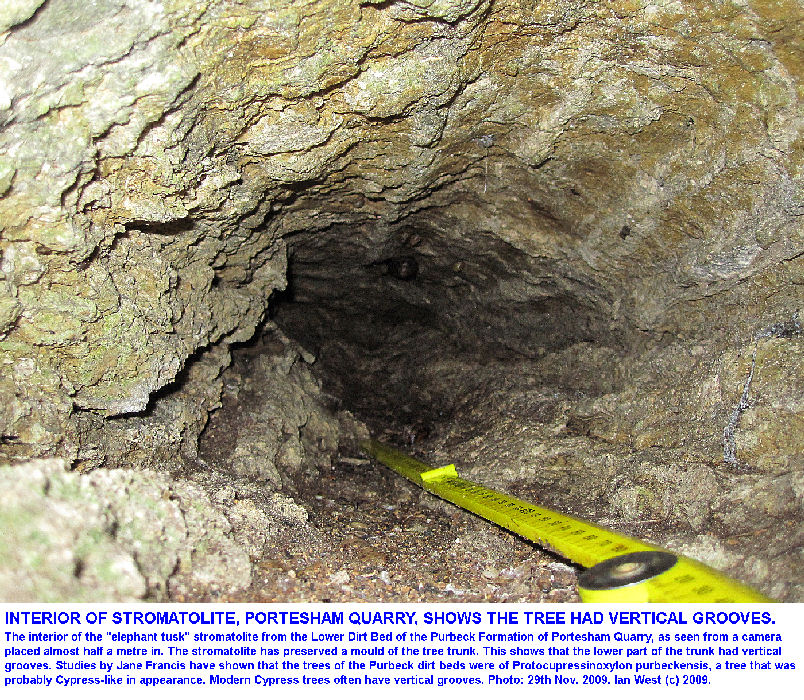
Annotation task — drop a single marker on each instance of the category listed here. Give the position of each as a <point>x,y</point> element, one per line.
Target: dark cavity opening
<point>400,319</point>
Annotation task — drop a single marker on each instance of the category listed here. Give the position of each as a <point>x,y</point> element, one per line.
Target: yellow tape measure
<point>619,568</point>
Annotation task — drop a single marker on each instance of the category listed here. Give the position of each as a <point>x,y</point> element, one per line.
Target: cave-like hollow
<point>409,321</point>
<point>451,342</point>
<point>555,243</point>
<point>441,337</point>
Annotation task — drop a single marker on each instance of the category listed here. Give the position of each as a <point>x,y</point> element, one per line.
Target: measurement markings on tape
<point>619,568</point>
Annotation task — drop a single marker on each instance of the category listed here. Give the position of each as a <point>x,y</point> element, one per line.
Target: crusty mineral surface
<point>556,242</point>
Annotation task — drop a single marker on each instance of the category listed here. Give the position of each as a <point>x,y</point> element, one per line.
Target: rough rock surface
<point>111,535</point>
<point>597,208</point>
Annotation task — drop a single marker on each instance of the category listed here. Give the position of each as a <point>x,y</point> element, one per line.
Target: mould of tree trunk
<point>558,243</point>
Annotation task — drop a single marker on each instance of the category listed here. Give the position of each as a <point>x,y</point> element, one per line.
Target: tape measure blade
<point>407,466</point>
<point>661,577</point>
<point>691,581</point>
<point>578,540</point>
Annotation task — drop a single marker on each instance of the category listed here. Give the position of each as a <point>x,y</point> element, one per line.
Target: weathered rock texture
<point>561,239</point>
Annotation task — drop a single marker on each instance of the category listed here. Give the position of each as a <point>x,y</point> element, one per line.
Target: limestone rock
<point>602,202</point>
